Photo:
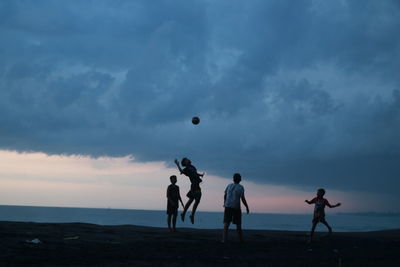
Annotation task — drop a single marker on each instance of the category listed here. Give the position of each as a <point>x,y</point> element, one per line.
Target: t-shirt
<point>173,192</point>
<point>320,204</point>
<point>233,192</point>
<point>191,172</point>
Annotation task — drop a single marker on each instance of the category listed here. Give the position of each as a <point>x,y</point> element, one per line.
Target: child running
<point>195,190</point>
<point>234,192</point>
<point>319,211</point>
<point>173,197</point>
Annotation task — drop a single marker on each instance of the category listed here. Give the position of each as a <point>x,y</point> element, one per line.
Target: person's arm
<point>226,190</point>
<point>201,174</point>
<point>169,196</point>
<point>180,199</point>
<point>245,204</point>
<point>332,206</point>
<point>179,167</point>
<point>224,200</point>
<point>310,202</point>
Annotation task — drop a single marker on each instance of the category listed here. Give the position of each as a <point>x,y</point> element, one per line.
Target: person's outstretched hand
<point>176,162</point>
<point>247,210</point>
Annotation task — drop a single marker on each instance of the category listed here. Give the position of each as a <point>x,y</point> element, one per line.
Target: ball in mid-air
<point>195,120</point>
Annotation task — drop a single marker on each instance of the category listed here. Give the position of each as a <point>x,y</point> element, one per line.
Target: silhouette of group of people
<point>233,195</point>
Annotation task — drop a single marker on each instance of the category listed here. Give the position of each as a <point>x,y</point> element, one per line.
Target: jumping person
<point>195,191</point>
<point>173,197</point>
<point>234,192</point>
<point>319,211</point>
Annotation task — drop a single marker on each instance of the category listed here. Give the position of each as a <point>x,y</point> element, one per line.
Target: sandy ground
<point>78,244</point>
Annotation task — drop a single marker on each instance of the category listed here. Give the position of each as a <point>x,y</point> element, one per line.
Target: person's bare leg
<point>240,233</point>
<point>225,232</point>
<point>328,226</point>
<point>196,203</point>
<point>174,222</point>
<point>169,221</point>
<point>186,208</point>
<point>312,231</point>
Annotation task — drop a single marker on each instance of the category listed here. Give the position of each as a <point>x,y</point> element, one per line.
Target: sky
<point>96,101</point>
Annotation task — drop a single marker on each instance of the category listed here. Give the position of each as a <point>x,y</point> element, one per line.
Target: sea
<point>341,222</point>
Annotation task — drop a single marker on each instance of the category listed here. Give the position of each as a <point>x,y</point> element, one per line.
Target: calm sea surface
<point>206,220</point>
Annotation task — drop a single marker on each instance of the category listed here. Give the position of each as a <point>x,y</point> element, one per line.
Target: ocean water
<point>206,220</point>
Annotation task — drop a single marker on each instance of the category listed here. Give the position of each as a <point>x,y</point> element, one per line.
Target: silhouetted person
<point>319,211</point>
<point>234,192</point>
<point>195,190</point>
<point>173,197</point>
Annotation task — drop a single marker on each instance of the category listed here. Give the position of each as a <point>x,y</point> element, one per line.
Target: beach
<point>81,244</point>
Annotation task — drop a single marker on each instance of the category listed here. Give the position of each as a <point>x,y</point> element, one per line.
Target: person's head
<point>237,178</point>
<point>173,179</point>
<point>186,162</point>
<point>320,192</point>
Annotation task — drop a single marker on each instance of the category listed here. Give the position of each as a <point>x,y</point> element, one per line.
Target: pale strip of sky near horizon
<point>38,179</point>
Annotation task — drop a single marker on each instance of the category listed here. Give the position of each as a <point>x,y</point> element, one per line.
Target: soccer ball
<point>195,120</point>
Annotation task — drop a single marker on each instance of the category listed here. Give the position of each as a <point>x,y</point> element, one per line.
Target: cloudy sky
<point>295,95</point>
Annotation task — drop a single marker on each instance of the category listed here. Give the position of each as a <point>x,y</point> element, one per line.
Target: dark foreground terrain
<point>78,244</point>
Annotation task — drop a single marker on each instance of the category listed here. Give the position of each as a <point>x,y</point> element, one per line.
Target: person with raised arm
<point>319,211</point>
<point>195,191</point>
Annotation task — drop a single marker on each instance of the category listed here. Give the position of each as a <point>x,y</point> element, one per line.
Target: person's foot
<point>170,229</point>
<point>191,219</point>
<point>174,230</point>
<point>183,217</point>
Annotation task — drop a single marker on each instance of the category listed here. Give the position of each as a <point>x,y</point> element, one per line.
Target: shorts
<point>172,209</point>
<point>319,217</point>
<point>196,195</point>
<point>233,215</point>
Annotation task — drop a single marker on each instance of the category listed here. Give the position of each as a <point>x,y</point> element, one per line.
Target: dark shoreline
<point>81,244</point>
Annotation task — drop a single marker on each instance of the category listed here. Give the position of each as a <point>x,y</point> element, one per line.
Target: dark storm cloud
<point>301,93</point>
